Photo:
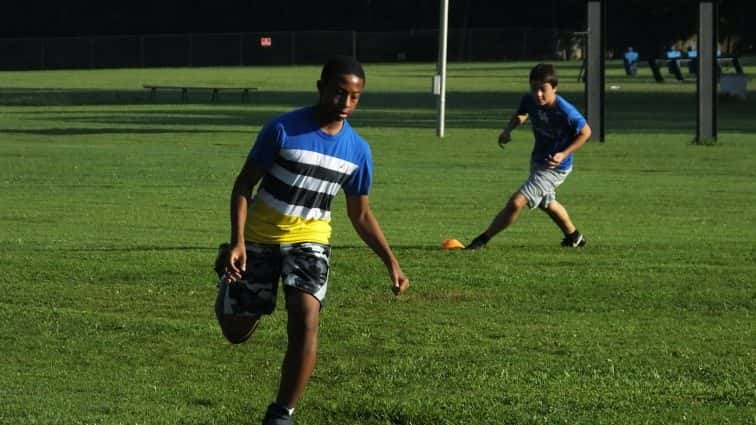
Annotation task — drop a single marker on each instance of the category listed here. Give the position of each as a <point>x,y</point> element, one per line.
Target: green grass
<point>111,207</point>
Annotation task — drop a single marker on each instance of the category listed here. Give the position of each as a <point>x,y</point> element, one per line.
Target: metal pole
<point>190,53</point>
<point>354,44</point>
<point>91,52</point>
<point>441,68</point>
<point>42,53</point>
<point>595,79</point>
<point>293,47</point>
<point>141,51</point>
<point>706,81</point>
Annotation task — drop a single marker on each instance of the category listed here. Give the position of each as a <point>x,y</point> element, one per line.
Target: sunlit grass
<point>111,207</point>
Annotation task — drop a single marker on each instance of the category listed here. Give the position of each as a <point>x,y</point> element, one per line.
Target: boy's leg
<point>240,303</point>
<point>559,215</point>
<point>505,218</point>
<point>304,274</point>
<point>299,361</point>
<point>235,329</point>
<point>572,237</point>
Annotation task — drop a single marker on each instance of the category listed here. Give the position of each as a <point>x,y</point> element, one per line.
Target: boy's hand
<point>237,260</point>
<point>555,160</point>
<point>400,283</point>
<point>504,138</point>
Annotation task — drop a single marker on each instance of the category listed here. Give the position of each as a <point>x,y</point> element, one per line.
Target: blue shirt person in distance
<point>630,61</point>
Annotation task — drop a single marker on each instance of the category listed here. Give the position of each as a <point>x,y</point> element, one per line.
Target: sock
<point>574,234</point>
<point>483,237</point>
<point>288,409</point>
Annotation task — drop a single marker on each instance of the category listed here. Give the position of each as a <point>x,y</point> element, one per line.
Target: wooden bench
<point>215,91</point>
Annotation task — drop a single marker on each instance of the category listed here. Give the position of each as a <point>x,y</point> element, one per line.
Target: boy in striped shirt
<point>299,162</point>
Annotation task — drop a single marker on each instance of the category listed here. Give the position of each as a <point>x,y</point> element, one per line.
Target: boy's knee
<point>304,323</point>
<point>238,329</point>
<point>304,313</point>
<point>517,202</point>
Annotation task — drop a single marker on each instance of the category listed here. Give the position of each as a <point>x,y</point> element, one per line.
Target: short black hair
<point>544,73</point>
<point>341,65</point>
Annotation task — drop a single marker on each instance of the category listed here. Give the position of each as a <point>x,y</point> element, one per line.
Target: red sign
<point>266,41</point>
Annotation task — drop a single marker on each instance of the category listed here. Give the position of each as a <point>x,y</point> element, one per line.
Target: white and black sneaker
<point>574,240</point>
<point>277,415</point>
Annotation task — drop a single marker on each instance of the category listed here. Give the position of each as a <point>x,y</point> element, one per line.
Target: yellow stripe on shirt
<point>268,226</point>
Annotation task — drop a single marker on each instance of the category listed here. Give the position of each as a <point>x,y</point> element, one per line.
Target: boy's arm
<point>582,137</point>
<point>247,179</point>
<point>506,134</point>
<point>367,227</point>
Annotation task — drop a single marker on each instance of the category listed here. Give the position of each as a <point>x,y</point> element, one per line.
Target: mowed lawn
<point>112,206</point>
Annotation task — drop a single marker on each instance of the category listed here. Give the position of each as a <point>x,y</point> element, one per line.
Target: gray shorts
<point>303,266</point>
<point>540,188</point>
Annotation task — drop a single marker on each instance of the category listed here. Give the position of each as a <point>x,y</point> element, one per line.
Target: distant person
<point>673,63</point>
<point>630,60</point>
<point>692,54</point>
<point>559,130</point>
<point>673,53</point>
<point>300,160</point>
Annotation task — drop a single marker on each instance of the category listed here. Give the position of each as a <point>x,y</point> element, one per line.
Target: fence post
<point>42,53</point>
<point>469,44</point>
<point>293,47</point>
<point>241,49</point>
<point>91,52</point>
<point>190,52</point>
<point>354,44</point>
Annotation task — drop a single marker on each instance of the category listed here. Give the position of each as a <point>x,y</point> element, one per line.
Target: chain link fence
<point>281,48</point>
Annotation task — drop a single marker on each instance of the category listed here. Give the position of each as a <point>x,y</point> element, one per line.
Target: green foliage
<point>111,208</point>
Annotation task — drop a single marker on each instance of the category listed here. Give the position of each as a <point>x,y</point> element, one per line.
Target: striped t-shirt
<point>305,167</point>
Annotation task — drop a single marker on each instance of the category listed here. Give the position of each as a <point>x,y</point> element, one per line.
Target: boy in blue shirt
<point>559,131</point>
<point>299,162</point>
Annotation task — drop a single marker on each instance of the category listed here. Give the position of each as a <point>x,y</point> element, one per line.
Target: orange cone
<point>451,244</point>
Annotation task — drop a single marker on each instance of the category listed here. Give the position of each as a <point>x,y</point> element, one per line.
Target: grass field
<point>111,207</point>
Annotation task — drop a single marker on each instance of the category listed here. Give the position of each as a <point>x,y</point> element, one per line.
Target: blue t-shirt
<point>305,169</point>
<point>673,54</point>
<point>554,127</point>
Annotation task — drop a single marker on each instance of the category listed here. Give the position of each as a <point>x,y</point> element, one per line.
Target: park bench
<point>214,90</point>
<point>674,66</point>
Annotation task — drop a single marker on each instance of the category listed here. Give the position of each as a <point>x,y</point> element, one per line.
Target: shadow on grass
<point>213,248</point>
<point>629,111</point>
<point>138,248</point>
<point>73,131</point>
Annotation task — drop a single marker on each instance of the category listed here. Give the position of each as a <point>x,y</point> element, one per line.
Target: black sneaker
<point>277,415</point>
<point>479,242</point>
<point>575,240</point>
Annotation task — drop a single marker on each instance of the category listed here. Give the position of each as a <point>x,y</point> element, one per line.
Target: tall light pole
<point>439,80</point>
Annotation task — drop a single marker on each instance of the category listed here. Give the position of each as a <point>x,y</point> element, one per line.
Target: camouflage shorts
<point>303,266</point>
